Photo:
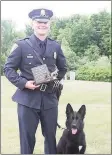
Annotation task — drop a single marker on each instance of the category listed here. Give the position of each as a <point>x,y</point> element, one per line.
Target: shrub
<point>94,73</point>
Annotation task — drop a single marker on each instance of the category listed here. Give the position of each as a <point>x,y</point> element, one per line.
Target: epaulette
<point>23,39</point>
<point>19,40</point>
<point>53,40</point>
<point>26,38</point>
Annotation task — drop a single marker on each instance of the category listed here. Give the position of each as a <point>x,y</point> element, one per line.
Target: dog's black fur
<point>70,142</point>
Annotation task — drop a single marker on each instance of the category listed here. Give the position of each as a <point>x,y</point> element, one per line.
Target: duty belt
<point>43,87</point>
<point>50,87</point>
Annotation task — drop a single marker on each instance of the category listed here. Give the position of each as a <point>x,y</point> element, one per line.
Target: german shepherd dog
<point>73,137</point>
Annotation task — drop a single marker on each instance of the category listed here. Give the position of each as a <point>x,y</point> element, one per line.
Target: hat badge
<point>42,12</point>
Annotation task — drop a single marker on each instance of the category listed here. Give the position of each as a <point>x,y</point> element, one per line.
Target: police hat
<point>42,15</point>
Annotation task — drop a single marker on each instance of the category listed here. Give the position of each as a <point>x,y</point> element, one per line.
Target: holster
<point>59,90</point>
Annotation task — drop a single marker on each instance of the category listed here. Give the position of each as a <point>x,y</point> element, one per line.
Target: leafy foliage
<point>95,71</point>
<point>8,36</point>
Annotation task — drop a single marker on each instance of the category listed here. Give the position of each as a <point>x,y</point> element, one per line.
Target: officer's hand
<point>31,85</point>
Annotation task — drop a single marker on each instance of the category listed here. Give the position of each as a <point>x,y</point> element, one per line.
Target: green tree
<point>92,52</point>
<point>70,55</point>
<point>102,26</point>
<point>28,30</point>
<point>81,36</point>
<point>8,36</point>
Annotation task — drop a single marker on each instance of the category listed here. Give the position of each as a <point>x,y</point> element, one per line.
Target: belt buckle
<point>43,87</point>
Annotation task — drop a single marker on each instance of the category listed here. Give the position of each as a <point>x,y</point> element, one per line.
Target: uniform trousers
<point>29,119</point>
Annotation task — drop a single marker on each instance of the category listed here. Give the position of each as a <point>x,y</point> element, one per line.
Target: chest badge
<point>55,55</point>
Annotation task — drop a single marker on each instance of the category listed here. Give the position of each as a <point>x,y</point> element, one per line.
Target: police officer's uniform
<point>35,105</point>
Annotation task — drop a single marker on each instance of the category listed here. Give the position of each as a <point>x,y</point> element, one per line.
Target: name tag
<point>29,56</point>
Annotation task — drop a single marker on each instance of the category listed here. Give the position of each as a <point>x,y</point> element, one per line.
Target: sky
<point>18,11</point>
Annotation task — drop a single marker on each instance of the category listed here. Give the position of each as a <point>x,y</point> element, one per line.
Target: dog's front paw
<point>83,149</point>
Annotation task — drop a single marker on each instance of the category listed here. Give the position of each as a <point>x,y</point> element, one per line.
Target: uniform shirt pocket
<point>29,61</point>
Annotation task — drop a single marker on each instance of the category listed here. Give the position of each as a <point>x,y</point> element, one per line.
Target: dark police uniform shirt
<point>24,58</point>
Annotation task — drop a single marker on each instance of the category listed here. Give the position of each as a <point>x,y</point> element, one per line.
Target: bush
<point>94,73</point>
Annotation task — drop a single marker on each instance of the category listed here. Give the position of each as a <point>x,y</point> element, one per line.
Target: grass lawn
<point>95,95</point>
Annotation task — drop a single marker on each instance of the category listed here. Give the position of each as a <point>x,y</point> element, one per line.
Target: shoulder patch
<point>14,47</point>
<point>19,41</point>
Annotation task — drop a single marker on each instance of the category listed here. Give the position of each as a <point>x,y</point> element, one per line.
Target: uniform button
<point>30,63</point>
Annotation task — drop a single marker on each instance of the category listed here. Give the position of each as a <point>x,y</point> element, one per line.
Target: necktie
<point>42,48</point>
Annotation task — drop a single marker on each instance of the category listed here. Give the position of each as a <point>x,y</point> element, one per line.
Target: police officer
<point>35,104</point>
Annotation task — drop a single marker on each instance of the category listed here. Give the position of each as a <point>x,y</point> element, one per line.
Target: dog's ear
<point>69,109</point>
<point>82,111</point>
